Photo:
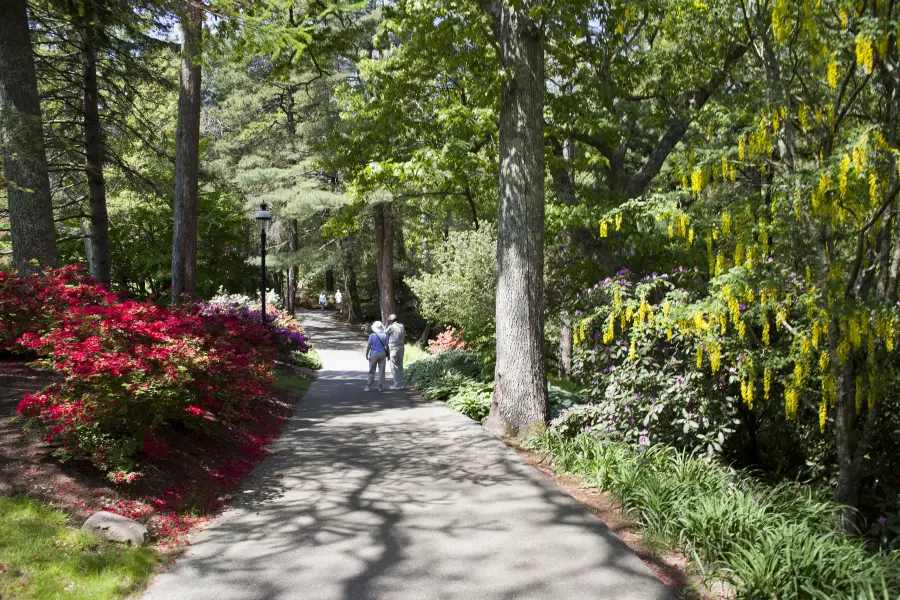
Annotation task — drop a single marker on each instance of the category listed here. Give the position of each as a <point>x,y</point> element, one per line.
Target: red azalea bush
<point>37,302</point>
<point>129,367</point>
<point>450,339</point>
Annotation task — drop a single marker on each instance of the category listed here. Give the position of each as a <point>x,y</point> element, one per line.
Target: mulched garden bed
<point>176,493</point>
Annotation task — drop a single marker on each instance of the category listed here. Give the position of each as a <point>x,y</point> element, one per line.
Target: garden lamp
<point>263,217</point>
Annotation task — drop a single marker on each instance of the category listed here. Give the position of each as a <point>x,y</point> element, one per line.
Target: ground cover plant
<point>43,556</point>
<point>767,541</point>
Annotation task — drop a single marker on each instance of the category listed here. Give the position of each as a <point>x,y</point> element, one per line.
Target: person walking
<point>377,353</point>
<point>337,300</point>
<point>396,340</point>
<point>322,300</point>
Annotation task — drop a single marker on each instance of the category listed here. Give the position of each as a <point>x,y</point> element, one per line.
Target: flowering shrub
<point>129,367</point>
<point>37,302</point>
<point>450,339</point>
<point>286,331</point>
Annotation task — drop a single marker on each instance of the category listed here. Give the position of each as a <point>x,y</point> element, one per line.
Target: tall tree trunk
<point>520,379</point>
<point>566,333</point>
<point>354,311</point>
<point>187,156</point>
<point>290,300</point>
<point>22,138</point>
<point>384,258</point>
<point>99,257</point>
<point>329,280</point>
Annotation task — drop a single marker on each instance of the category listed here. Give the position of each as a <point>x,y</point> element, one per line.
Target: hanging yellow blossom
<point>618,221</point>
<point>696,181</point>
<point>823,413</point>
<point>720,264</point>
<point>632,351</point>
<point>824,360</point>
<point>603,229</point>
<point>865,55</point>
<point>765,332</point>
<point>671,230</point>
<point>832,74</point>
<point>690,238</point>
<point>844,18</point>
<point>699,356</point>
<point>790,402</point>
<point>738,254</point>
<point>610,331</point>
<point>726,223</point>
<point>798,373</point>
<point>816,332</point>
<point>767,383</point>
<point>873,189</point>
<point>742,329</point>
<point>715,357</point>
<point>666,306</point>
<point>843,178</point>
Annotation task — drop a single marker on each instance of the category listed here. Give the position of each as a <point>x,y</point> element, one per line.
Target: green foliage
<point>44,557</point>
<point>308,360</point>
<point>462,287</point>
<point>768,542</point>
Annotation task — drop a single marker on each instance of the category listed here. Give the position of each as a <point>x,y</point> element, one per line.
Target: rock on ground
<point>116,528</point>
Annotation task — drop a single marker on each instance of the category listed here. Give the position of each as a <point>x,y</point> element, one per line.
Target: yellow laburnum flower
<point>603,229</point>
<point>669,334</point>
<point>865,55</point>
<point>726,223</point>
<point>738,254</point>
<point>720,264</point>
<point>767,383</point>
<point>824,360</point>
<point>671,230</point>
<point>790,402</point>
<point>696,181</point>
<point>618,221</point>
<point>844,18</point>
<point>617,300</point>
<point>798,373</point>
<point>816,332</point>
<point>666,306</point>
<point>832,74</point>
<point>699,356</point>
<point>742,329</point>
<point>804,118</point>
<point>690,238</point>
<point>765,333</point>
<point>823,413</point>
<point>715,357</point>
<point>742,148</point>
<point>873,189</point>
<point>843,179</point>
<point>610,331</point>
<point>632,351</point>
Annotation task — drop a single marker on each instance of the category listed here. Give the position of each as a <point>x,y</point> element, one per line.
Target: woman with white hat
<point>377,354</point>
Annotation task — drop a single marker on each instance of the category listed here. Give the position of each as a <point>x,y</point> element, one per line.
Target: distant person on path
<point>322,300</point>
<point>377,354</point>
<point>337,300</point>
<point>397,338</point>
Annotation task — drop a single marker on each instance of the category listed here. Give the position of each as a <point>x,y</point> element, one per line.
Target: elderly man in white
<point>396,339</point>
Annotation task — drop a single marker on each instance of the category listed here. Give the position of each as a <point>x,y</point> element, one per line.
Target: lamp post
<point>263,217</point>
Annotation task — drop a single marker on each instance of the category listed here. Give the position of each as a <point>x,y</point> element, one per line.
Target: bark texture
<point>384,259</point>
<point>99,255</point>
<point>22,138</point>
<point>520,379</point>
<point>187,157</point>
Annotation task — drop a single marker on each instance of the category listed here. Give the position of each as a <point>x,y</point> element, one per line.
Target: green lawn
<point>42,557</point>
<point>292,382</point>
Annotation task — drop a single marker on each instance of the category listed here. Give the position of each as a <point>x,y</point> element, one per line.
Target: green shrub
<point>473,399</point>
<point>767,541</point>
<point>308,360</point>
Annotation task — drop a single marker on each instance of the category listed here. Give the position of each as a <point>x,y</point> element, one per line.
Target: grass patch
<point>291,382</point>
<point>42,557</point>
<point>769,542</point>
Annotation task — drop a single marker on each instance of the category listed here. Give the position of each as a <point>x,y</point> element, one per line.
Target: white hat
<point>377,327</point>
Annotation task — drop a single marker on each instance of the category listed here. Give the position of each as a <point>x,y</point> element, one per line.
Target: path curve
<point>385,496</point>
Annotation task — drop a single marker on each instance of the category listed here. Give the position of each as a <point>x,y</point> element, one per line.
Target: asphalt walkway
<point>385,496</point>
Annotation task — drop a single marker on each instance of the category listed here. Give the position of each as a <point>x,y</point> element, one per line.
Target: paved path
<point>387,497</point>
